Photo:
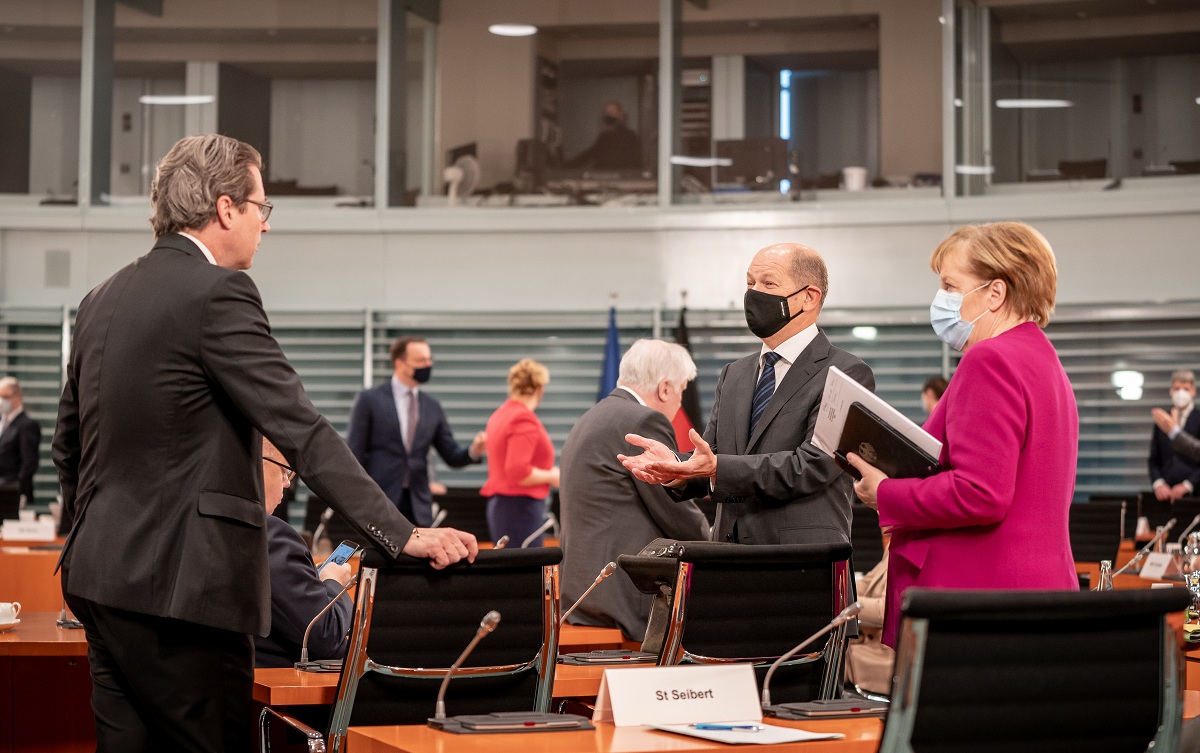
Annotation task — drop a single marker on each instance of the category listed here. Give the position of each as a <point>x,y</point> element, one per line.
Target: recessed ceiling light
<point>1032,104</point>
<point>513,30</point>
<point>177,99</point>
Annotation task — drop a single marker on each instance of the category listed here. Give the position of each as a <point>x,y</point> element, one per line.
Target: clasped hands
<point>1167,422</point>
<point>659,465</point>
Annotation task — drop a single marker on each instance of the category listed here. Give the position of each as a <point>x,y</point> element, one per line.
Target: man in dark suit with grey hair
<point>756,457</point>
<point>173,379</point>
<point>606,512</point>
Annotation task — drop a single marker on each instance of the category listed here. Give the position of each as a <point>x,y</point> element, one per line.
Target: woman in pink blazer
<point>996,517</point>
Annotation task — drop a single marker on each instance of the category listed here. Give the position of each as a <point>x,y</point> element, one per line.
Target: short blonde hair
<point>195,173</point>
<point>1013,252</point>
<point>526,376</point>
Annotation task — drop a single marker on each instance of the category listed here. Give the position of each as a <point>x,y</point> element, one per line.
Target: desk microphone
<point>71,623</point>
<point>550,523</point>
<point>304,665</point>
<point>503,541</point>
<point>1186,531</point>
<point>608,570</point>
<point>844,616</point>
<point>1141,555</point>
<point>440,518</point>
<point>321,525</point>
<point>486,625</point>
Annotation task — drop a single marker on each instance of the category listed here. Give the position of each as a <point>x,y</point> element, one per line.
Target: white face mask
<point>5,406</point>
<point>1181,399</point>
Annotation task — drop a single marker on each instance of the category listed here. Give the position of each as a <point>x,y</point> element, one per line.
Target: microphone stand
<point>843,616</point>
<point>304,665</point>
<point>70,623</point>
<point>1145,551</point>
<point>607,571</point>
<point>541,529</point>
<point>1186,531</point>
<point>486,625</point>
<point>321,524</point>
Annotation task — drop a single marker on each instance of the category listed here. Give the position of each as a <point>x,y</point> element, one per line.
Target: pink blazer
<point>997,517</point>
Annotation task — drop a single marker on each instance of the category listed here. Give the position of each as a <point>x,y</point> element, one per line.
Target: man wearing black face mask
<point>393,425</point>
<point>616,148</point>
<point>756,457</point>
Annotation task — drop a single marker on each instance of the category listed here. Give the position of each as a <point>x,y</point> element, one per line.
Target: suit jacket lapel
<point>742,373</point>
<point>805,367</point>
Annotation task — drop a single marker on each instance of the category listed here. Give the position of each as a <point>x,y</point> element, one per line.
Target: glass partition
<point>1054,92</point>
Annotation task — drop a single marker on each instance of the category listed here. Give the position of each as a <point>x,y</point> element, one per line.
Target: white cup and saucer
<point>8,615</point>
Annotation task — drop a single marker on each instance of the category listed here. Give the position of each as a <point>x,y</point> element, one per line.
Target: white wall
<point>1112,247</point>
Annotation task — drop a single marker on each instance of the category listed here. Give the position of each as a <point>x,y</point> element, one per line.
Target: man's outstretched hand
<point>659,465</point>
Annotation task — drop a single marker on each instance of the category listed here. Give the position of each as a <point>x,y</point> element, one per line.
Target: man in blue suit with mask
<point>393,425</point>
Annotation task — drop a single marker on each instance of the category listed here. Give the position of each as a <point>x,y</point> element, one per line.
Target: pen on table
<point>731,727</point>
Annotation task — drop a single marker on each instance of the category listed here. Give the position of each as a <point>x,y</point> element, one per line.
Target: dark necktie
<point>764,390</point>
<point>411,433</point>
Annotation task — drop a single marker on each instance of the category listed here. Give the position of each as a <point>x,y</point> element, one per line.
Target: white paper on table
<point>841,392</point>
<point>768,735</point>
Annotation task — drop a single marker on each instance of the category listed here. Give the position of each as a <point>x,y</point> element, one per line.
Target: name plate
<point>634,696</point>
<point>27,530</point>
<point>1158,565</point>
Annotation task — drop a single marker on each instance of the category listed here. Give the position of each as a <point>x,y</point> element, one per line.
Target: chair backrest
<point>1158,513</point>
<point>1095,530</point>
<point>865,537</point>
<point>10,503</point>
<point>411,623</point>
<point>739,602</point>
<point>1068,671</point>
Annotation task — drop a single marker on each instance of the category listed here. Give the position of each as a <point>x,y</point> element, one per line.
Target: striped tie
<point>764,390</point>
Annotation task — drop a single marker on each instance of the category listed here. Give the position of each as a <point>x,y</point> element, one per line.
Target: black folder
<point>877,442</point>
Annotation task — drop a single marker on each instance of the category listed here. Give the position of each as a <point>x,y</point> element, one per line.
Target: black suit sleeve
<point>358,434</point>
<point>1155,461</point>
<point>1189,447</point>
<point>31,437</point>
<point>455,455</point>
<point>239,353</point>
<point>66,447</point>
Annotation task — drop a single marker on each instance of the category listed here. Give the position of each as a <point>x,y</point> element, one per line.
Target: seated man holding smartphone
<point>298,590</point>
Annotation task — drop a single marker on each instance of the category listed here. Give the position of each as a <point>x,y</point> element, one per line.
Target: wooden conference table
<point>861,736</point>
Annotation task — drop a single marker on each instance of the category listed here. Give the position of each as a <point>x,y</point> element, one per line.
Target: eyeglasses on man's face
<point>264,209</point>
<point>289,473</point>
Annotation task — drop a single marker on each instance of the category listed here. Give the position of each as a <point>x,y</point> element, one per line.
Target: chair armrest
<point>315,740</point>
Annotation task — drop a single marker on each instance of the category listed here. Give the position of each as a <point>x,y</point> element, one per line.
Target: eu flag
<point>612,357</point>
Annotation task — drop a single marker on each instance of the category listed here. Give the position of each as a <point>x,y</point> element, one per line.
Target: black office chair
<point>865,537</point>
<point>1133,509</point>
<point>1033,671</point>
<point>1095,530</point>
<point>731,602</point>
<point>1158,513</point>
<point>410,624</point>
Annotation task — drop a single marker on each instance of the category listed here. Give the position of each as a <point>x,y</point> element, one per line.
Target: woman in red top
<point>521,466</point>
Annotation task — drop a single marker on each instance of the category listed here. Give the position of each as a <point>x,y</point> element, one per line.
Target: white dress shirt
<point>203,248</point>
<point>789,350</point>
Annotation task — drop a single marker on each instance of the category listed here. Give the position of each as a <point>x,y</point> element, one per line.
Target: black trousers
<point>160,684</point>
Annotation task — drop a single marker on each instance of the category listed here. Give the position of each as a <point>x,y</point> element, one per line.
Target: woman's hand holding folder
<point>866,487</point>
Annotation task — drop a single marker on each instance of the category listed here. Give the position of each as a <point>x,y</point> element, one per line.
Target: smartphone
<point>342,554</point>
